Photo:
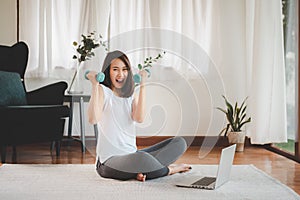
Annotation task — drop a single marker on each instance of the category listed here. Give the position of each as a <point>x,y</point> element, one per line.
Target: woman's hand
<point>144,76</point>
<point>92,77</point>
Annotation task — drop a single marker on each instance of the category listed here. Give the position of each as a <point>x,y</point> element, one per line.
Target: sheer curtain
<point>242,40</point>
<point>50,27</point>
<point>266,72</point>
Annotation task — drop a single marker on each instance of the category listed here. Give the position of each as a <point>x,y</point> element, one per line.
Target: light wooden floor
<point>281,168</point>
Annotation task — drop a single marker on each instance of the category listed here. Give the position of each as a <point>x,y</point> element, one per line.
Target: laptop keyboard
<point>206,181</point>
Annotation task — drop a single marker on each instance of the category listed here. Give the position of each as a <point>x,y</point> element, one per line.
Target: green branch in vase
<point>149,61</point>
<point>87,44</point>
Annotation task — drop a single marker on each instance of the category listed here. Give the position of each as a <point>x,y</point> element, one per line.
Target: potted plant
<point>236,118</point>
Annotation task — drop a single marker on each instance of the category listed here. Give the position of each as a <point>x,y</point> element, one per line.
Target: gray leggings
<point>152,161</point>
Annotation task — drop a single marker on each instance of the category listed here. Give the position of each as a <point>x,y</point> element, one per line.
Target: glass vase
<point>76,86</point>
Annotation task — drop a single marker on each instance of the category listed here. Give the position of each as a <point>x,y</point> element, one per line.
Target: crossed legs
<point>151,162</point>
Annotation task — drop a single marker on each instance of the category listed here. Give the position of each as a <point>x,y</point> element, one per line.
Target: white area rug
<point>19,181</point>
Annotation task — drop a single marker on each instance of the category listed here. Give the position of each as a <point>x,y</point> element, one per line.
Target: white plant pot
<point>237,138</point>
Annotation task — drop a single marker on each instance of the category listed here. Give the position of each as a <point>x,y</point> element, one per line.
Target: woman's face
<point>118,73</point>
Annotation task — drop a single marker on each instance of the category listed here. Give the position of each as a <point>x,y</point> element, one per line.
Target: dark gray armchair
<point>28,117</point>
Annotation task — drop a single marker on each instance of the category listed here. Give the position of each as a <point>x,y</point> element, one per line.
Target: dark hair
<point>128,88</point>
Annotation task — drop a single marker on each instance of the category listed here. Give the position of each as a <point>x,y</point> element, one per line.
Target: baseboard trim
<point>191,140</point>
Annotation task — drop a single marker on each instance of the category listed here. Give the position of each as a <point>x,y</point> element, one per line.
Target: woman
<point>115,109</point>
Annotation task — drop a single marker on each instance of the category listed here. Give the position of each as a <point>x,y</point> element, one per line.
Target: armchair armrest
<point>52,94</point>
<point>34,111</point>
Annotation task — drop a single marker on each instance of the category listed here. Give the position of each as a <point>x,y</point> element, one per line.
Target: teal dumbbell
<point>99,77</point>
<point>137,78</point>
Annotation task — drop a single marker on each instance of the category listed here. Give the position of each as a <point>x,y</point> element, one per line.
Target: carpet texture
<point>24,181</point>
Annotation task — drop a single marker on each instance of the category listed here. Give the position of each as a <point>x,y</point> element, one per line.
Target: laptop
<point>222,177</point>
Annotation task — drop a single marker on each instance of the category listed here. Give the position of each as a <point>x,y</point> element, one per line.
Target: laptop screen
<point>225,165</point>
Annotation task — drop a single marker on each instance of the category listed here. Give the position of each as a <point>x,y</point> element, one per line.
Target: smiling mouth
<point>120,81</point>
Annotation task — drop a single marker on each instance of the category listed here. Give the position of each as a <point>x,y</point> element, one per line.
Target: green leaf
<point>230,120</point>
<point>140,67</point>
<point>221,109</point>
<point>243,103</point>
<point>222,131</point>
<point>243,117</point>
<point>244,109</point>
<point>247,121</point>
<point>229,106</point>
<point>237,114</point>
<point>149,73</point>
<point>227,128</point>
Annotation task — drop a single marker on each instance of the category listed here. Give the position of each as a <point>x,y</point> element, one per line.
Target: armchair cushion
<point>11,90</point>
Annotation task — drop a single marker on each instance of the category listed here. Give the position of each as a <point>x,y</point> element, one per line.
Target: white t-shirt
<point>116,128</point>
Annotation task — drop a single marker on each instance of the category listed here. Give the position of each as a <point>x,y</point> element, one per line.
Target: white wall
<point>8,22</point>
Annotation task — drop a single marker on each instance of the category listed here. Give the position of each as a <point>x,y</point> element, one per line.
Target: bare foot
<point>141,177</point>
<point>178,168</point>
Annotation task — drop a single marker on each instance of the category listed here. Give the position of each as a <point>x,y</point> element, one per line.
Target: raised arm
<point>139,101</point>
<point>95,106</point>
